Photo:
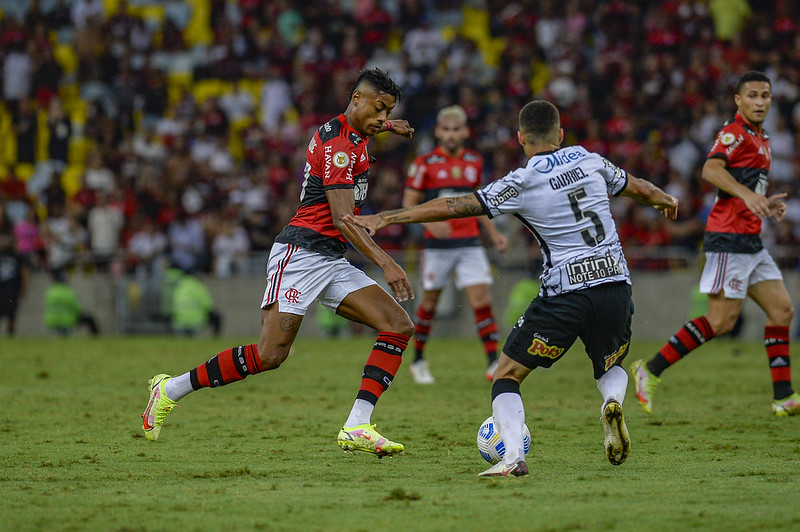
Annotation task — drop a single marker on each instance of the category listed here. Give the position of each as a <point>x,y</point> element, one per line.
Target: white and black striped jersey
<point>562,198</point>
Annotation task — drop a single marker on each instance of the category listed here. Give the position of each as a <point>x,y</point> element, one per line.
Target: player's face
<point>370,110</point>
<point>451,133</point>
<point>753,101</point>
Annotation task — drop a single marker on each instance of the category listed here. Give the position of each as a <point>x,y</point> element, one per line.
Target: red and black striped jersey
<point>439,175</point>
<point>731,226</point>
<point>336,158</point>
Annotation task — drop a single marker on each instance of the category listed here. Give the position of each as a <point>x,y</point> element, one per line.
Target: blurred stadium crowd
<point>136,130</point>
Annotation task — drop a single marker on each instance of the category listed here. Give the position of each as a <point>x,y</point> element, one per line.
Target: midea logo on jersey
<point>556,159</point>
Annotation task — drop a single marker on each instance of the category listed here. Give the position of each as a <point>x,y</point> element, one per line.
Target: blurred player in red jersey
<point>307,263</point>
<point>737,265</point>
<point>452,246</point>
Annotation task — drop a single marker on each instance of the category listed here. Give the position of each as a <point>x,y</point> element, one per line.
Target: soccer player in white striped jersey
<point>562,197</point>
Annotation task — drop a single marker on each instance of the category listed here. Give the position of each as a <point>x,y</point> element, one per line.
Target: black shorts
<point>600,316</point>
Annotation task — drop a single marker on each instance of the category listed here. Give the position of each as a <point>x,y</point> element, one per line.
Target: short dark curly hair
<point>753,75</point>
<point>540,119</point>
<point>380,81</point>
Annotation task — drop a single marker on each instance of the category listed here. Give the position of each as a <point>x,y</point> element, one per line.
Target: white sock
<point>360,414</point>
<point>178,387</point>
<point>509,415</point>
<point>613,385</point>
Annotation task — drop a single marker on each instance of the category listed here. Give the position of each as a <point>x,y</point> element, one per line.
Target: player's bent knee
<point>783,316</point>
<point>402,326</point>
<point>272,358</point>
<point>271,362</point>
<point>723,327</point>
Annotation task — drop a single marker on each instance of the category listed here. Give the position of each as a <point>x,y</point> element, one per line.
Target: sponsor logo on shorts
<point>612,358</point>
<point>540,349</point>
<point>292,295</point>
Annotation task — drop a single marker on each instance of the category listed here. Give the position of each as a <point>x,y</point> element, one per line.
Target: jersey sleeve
<point>502,196</point>
<point>616,178</point>
<point>727,144</point>
<point>416,174</point>
<point>339,157</point>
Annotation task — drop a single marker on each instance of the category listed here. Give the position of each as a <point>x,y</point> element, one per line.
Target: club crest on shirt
<point>340,159</point>
<point>727,138</point>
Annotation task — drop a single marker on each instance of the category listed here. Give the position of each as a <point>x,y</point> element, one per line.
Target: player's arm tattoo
<point>289,323</point>
<point>463,206</point>
<point>436,210</point>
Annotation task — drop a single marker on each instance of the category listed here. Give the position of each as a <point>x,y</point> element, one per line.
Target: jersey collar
<point>739,118</point>
<point>440,151</point>
<point>351,133</point>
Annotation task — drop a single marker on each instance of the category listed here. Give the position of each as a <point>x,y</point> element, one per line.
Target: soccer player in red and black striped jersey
<point>307,263</point>
<point>452,247</point>
<point>737,265</point>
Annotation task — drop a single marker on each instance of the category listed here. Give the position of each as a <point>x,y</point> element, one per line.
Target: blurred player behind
<point>453,246</point>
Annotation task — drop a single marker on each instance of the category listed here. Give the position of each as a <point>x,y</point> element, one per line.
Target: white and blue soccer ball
<point>491,445</point>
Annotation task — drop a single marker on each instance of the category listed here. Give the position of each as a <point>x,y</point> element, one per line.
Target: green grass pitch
<point>261,454</point>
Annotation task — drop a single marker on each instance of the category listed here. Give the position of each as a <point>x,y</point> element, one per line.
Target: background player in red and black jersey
<point>306,264</point>
<point>737,265</point>
<point>452,246</point>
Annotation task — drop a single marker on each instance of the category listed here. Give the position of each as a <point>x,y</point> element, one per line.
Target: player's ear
<point>560,135</point>
<point>520,138</point>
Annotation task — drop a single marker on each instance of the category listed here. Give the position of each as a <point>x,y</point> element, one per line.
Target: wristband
<point>388,126</point>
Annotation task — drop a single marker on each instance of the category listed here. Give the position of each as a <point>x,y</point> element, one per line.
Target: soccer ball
<point>491,446</point>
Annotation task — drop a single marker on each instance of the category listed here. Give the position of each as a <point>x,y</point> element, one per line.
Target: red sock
<point>382,365</point>
<point>692,335</point>
<point>422,328</point>
<point>229,366</point>
<point>487,330</point>
<point>776,342</point>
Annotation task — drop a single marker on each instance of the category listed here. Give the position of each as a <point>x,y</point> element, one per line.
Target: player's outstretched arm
<point>430,211</point>
<point>647,193</point>
<point>440,230</point>
<point>342,202</point>
<point>399,127</point>
<point>716,173</point>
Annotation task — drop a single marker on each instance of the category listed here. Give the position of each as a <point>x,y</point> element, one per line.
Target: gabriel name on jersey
<point>553,194</point>
<point>336,158</point>
<point>731,227</point>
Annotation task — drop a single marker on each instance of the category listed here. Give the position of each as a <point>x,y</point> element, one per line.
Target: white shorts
<point>297,277</point>
<point>734,273</point>
<point>470,265</point>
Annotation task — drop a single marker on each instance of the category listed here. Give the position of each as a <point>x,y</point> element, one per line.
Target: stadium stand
<point>152,86</point>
